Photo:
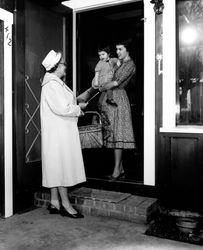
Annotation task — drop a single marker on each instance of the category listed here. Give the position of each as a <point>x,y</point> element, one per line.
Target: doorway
<point>108,25</point>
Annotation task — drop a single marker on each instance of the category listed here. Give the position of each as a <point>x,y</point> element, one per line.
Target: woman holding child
<point>120,129</point>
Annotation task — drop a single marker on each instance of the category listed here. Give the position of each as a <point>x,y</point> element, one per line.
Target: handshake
<point>87,95</point>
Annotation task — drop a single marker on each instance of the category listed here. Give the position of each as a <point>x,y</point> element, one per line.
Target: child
<point>104,71</point>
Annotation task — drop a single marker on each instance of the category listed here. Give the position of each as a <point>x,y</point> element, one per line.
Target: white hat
<point>51,60</point>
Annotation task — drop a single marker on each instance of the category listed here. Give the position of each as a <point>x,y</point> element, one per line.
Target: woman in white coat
<point>62,161</point>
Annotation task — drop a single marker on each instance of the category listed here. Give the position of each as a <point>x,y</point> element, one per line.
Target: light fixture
<point>158,6</point>
<point>79,5</point>
<point>189,35</point>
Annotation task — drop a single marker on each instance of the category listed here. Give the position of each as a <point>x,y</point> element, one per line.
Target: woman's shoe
<point>52,209</point>
<point>109,177</point>
<point>64,212</point>
<point>121,175</point>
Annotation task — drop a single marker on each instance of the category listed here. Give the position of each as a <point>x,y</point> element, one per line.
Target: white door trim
<point>149,94</point>
<point>7,17</point>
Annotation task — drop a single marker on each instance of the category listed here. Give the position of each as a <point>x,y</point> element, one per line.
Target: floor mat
<point>166,227</point>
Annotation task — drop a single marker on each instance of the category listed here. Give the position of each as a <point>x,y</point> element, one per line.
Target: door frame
<point>149,85</point>
<point>7,18</point>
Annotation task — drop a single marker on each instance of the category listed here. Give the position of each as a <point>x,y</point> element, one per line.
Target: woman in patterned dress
<point>119,132</point>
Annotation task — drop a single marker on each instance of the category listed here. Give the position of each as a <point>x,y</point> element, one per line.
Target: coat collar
<point>49,77</point>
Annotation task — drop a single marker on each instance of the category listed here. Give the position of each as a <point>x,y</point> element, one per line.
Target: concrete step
<point>122,206</point>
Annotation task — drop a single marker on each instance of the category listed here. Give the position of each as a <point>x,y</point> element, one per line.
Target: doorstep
<point>123,206</point>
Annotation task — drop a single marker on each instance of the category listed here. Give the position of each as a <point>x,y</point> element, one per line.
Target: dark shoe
<point>52,209</point>
<point>120,176</point>
<point>109,177</point>
<point>64,212</point>
<point>111,102</point>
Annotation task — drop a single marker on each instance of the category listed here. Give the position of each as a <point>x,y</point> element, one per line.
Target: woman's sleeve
<point>127,72</point>
<point>107,85</point>
<point>60,101</point>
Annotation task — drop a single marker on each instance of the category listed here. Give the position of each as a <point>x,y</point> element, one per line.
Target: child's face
<point>103,56</point>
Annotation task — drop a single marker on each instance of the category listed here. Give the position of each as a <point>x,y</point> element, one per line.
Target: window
<point>189,44</point>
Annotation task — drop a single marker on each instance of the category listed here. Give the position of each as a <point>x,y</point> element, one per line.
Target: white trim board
<point>7,17</point>
<point>81,5</point>
<point>149,94</point>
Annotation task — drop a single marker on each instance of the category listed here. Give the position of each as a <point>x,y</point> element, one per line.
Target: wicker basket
<point>91,136</point>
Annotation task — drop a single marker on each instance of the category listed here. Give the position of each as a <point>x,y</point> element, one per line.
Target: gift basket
<point>90,130</point>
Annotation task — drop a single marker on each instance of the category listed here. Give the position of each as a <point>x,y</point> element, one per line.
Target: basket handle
<point>96,113</point>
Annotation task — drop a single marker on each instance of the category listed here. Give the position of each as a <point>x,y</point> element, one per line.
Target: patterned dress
<point>117,120</point>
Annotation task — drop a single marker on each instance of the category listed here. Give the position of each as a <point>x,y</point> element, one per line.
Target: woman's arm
<point>95,81</point>
<point>127,70</point>
<point>60,102</point>
<point>108,85</point>
<point>124,74</point>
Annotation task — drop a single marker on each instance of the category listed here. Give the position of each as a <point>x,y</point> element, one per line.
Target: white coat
<point>62,161</point>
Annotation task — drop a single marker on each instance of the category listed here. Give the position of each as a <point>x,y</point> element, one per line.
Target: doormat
<point>166,227</point>
<point>101,195</point>
<point>109,196</point>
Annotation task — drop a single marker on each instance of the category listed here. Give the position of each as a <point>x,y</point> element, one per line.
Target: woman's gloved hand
<point>83,105</point>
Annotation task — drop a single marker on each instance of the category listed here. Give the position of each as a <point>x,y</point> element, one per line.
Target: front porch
<point>37,229</point>
<point>123,206</point>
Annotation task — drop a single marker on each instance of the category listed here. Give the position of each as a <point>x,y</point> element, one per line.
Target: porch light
<point>189,35</point>
<point>158,6</point>
<point>79,5</point>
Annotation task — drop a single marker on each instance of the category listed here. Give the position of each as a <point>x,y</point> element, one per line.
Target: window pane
<point>190,62</point>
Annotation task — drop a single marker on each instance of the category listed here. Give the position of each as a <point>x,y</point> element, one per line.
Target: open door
<point>38,30</point>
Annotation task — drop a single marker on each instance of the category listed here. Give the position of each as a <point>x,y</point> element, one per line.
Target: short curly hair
<point>126,43</point>
<point>105,48</point>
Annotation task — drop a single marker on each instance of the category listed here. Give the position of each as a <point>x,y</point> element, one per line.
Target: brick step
<point>123,206</point>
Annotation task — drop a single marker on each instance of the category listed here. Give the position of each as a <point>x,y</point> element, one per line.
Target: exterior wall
<point>179,171</point>
<point>30,49</point>
<point>19,92</point>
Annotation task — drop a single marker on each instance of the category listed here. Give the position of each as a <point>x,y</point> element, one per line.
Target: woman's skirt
<point>118,129</point>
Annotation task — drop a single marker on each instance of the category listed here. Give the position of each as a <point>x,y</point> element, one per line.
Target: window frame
<point>170,106</point>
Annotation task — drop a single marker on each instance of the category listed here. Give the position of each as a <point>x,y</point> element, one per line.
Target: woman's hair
<point>105,48</point>
<point>126,43</point>
<point>56,66</point>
